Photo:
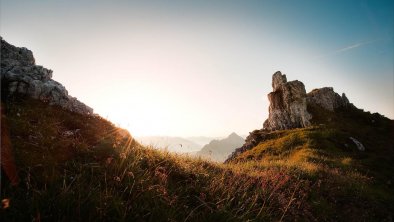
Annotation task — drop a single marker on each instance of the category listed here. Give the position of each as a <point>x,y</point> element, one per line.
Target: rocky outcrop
<point>288,109</point>
<point>20,75</point>
<point>359,145</point>
<point>327,98</point>
<point>288,104</point>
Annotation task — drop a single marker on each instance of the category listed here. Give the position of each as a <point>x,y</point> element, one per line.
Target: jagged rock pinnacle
<point>288,108</point>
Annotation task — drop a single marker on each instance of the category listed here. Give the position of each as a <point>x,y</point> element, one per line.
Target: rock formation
<point>20,74</point>
<point>288,108</point>
<point>327,98</point>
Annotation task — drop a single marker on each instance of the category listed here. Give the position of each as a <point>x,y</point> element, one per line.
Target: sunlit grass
<point>101,173</point>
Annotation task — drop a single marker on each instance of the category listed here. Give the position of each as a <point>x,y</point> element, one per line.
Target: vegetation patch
<point>74,167</point>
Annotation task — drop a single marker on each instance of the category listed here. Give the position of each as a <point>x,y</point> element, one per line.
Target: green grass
<point>101,174</point>
<point>347,178</point>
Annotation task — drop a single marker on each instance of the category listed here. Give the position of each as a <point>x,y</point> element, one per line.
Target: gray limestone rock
<point>278,80</point>
<point>288,107</point>
<point>20,74</point>
<point>327,98</point>
<point>359,145</point>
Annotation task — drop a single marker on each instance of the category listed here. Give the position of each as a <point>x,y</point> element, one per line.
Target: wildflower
<point>130,174</point>
<point>5,203</point>
<point>122,155</point>
<point>161,174</point>
<point>203,196</point>
<point>109,160</point>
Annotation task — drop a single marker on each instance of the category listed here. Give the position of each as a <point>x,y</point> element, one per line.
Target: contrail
<point>347,48</point>
<point>354,46</point>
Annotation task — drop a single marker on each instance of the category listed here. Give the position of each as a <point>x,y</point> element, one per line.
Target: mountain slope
<point>348,179</point>
<point>76,166</point>
<point>71,165</point>
<point>325,138</point>
<point>219,150</point>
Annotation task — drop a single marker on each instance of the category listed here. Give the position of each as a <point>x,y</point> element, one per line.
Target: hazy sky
<point>203,68</point>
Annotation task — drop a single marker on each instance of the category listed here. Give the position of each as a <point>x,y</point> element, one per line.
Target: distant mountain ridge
<point>202,140</point>
<point>173,144</point>
<point>219,150</point>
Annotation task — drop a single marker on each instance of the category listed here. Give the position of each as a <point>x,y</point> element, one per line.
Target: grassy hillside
<point>350,183</point>
<point>73,168</point>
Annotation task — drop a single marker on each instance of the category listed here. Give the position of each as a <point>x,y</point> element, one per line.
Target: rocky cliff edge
<point>20,75</point>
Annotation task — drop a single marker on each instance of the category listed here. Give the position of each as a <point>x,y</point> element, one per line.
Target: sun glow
<point>205,72</point>
<point>142,108</point>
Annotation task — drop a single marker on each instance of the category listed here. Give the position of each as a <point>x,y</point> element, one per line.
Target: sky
<point>204,68</point>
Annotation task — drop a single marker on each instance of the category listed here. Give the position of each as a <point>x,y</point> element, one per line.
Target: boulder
<point>359,145</point>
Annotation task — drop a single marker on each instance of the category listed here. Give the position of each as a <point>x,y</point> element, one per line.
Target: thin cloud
<point>347,48</point>
<point>354,46</point>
